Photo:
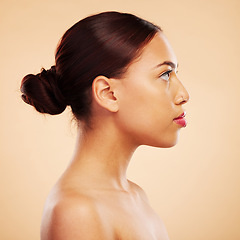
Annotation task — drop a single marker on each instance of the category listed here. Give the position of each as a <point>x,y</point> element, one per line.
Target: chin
<point>165,143</point>
<point>168,145</point>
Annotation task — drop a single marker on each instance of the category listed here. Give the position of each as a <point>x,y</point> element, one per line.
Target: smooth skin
<point>93,199</point>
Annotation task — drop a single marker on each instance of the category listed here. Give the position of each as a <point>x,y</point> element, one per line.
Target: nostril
<point>184,100</point>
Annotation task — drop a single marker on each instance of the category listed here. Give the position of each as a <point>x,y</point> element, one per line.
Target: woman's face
<point>150,96</point>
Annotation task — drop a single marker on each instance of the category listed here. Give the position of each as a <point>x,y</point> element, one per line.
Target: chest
<point>135,220</point>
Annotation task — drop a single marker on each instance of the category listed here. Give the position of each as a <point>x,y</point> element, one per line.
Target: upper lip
<point>181,115</point>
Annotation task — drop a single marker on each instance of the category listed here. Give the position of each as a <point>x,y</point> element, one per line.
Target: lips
<point>180,120</point>
<point>182,115</point>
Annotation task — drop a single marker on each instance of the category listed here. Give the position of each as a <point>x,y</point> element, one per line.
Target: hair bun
<point>42,92</point>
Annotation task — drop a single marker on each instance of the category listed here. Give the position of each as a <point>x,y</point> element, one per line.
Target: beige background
<point>195,186</point>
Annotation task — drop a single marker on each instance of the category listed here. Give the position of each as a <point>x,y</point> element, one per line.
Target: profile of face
<point>142,102</point>
<point>150,96</point>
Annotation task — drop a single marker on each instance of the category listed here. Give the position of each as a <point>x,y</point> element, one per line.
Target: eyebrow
<point>171,64</point>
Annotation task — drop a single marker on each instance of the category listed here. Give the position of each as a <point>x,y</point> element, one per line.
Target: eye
<point>166,75</point>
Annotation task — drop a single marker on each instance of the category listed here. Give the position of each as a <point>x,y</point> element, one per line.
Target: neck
<point>101,158</point>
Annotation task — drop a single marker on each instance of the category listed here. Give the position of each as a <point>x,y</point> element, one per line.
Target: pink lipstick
<point>180,120</point>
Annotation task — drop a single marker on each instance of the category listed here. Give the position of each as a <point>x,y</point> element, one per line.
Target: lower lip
<point>181,121</point>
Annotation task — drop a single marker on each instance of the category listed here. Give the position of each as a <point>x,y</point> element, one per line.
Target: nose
<point>182,95</point>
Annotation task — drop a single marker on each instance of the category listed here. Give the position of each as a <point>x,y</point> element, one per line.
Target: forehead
<point>157,51</point>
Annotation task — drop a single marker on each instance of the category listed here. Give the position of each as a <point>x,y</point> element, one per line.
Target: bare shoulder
<point>72,216</point>
<point>153,218</point>
<point>139,190</point>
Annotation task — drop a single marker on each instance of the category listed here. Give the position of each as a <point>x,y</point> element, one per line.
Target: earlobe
<point>103,93</point>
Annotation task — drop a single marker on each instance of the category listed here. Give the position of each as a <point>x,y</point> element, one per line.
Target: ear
<point>103,93</point>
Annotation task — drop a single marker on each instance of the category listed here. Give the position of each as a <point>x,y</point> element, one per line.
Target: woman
<point>118,74</point>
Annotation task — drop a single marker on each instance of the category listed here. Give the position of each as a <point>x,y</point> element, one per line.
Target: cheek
<point>146,116</point>
<point>145,105</point>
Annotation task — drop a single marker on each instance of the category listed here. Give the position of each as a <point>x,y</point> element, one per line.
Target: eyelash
<point>166,73</point>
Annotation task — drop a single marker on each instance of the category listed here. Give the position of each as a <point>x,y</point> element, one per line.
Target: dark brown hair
<point>102,44</point>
